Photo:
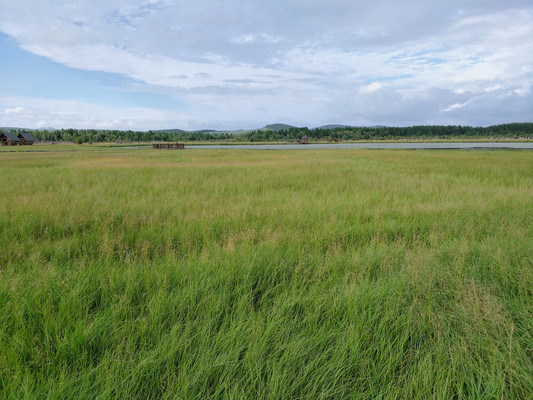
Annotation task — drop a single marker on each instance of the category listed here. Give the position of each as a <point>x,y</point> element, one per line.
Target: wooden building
<point>304,140</point>
<point>26,139</point>
<point>9,139</point>
<point>174,146</point>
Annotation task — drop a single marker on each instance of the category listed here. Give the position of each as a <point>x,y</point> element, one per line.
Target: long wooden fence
<point>173,146</point>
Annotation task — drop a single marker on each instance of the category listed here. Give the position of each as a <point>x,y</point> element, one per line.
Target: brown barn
<point>26,139</point>
<point>9,139</point>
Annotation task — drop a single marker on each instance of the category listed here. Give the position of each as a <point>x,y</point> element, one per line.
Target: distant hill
<point>206,131</point>
<point>278,127</point>
<point>334,126</point>
<point>213,131</point>
<point>170,130</point>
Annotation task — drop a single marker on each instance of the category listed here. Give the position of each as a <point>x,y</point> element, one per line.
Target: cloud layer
<point>238,64</point>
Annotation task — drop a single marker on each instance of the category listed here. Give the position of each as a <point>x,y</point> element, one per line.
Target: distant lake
<point>373,145</point>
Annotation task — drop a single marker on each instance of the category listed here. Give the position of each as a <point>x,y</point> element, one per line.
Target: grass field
<point>329,274</point>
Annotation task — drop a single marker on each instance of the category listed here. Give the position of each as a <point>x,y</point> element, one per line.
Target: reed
<point>330,274</point>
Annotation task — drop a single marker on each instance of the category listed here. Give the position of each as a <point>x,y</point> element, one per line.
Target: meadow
<point>328,274</point>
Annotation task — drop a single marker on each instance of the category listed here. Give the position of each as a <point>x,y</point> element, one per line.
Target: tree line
<point>114,136</point>
<point>513,130</point>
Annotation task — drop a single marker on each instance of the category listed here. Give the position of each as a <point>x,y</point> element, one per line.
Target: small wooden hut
<point>9,139</point>
<point>304,140</point>
<point>26,139</point>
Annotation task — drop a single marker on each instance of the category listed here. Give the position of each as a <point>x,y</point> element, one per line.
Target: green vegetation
<point>198,274</point>
<point>278,127</point>
<point>283,132</point>
<point>523,130</point>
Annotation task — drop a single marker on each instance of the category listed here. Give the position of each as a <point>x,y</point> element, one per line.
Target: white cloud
<point>308,62</point>
<point>38,113</point>
<point>373,87</point>
<point>157,69</point>
<point>245,39</point>
<point>455,106</point>
<point>272,39</point>
<point>16,110</point>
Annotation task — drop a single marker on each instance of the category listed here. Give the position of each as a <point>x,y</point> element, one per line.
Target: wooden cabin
<point>9,139</point>
<point>304,140</point>
<point>26,139</point>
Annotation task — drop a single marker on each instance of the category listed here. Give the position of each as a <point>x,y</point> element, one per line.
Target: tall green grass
<point>272,275</point>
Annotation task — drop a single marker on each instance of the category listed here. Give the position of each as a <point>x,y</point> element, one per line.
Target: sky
<point>236,64</point>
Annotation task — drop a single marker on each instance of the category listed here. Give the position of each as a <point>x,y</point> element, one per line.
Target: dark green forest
<point>513,130</point>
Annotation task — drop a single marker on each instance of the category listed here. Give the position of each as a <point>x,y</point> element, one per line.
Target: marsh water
<point>374,145</point>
